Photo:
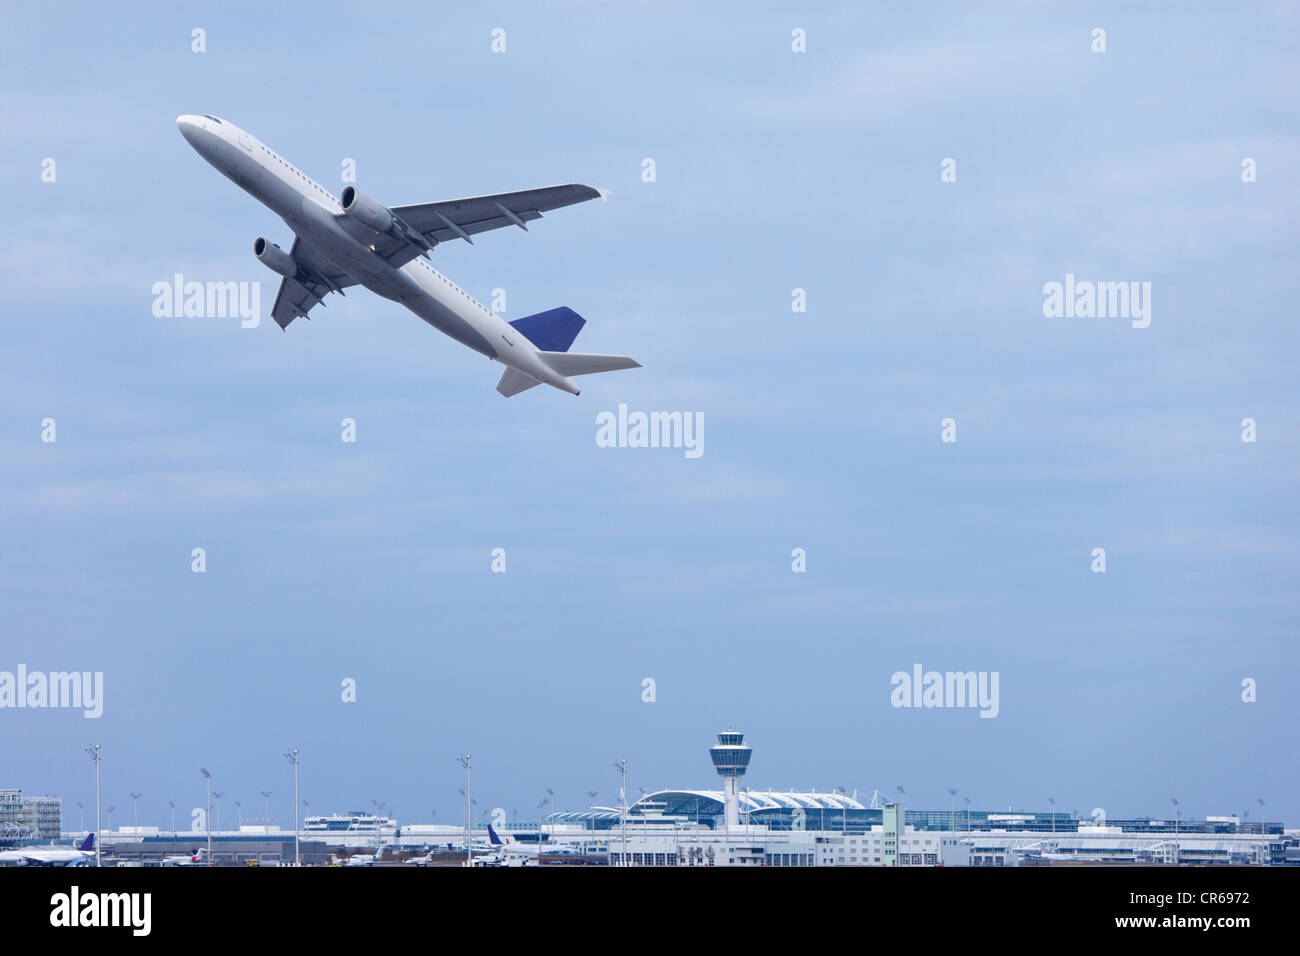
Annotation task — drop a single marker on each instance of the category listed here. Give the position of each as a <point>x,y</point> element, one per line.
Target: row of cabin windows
<point>276,157</point>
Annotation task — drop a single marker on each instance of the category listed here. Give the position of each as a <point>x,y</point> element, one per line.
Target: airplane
<point>509,853</point>
<point>365,859</point>
<point>50,855</point>
<point>355,240</point>
<point>198,858</point>
<point>1043,850</point>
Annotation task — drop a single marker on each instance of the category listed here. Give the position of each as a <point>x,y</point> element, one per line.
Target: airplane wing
<point>435,222</point>
<point>316,279</point>
<point>462,218</point>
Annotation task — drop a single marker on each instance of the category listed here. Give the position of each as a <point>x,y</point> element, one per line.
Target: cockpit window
<point>213,118</point>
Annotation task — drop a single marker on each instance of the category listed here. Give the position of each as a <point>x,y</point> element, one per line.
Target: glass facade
<point>835,812</point>
<point>28,819</point>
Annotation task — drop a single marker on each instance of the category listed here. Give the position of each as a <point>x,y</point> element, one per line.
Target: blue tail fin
<point>87,844</point>
<point>552,331</point>
<point>492,834</point>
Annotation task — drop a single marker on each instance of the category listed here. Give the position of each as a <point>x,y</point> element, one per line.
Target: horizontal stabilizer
<point>514,381</point>
<point>553,330</point>
<point>582,363</point>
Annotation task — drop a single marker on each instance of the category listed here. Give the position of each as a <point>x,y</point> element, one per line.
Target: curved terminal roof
<point>755,800</point>
<point>751,801</point>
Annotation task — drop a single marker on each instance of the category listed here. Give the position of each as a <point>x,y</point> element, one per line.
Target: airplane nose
<point>188,124</point>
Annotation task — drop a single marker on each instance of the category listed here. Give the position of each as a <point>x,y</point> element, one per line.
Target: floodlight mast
<point>469,852</point>
<point>207,814</point>
<point>621,767</point>
<point>292,757</point>
<point>97,755</point>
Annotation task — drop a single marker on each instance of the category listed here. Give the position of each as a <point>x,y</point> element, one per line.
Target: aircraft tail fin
<point>553,330</point>
<point>87,844</point>
<point>492,836</point>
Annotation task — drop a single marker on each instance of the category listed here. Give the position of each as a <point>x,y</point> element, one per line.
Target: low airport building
<point>25,820</point>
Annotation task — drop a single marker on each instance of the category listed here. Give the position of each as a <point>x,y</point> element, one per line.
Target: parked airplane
<point>354,240</point>
<point>198,858</point>
<point>365,859</point>
<point>50,855</point>
<point>509,853</point>
<point>1043,850</point>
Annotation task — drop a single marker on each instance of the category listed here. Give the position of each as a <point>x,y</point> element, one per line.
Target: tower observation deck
<point>731,760</point>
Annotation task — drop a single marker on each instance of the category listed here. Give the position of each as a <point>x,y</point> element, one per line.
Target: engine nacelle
<point>274,258</point>
<point>371,214</point>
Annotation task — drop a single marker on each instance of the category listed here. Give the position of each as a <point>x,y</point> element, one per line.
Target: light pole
<point>541,809</point>
<point>172,804</point>
<point>135,813</point>
<point>621,767</point>
<point>97,755</point>
<point>292,757</point>
<point>207,814</point>
<point>109,812</point>
<point>239,815</point>
<point>218,795</point>
<point>952,809</point>
<point>379,818</point>
<point>266,811</point>
<point>83,816</point>
<point>967,800</point>
<point>1177,811</point>
<point>469,820</point>
<point>1262,851</point>
<point>1052,801</point>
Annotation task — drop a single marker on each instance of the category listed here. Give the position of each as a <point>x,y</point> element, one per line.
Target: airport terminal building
<point>736,826</point>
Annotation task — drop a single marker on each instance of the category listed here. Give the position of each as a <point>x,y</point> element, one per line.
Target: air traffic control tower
<point>730,759</point>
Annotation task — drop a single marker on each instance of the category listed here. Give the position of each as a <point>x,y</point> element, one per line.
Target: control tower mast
<point>730,759</point>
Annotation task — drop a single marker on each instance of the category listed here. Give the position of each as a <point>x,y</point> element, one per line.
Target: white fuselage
<point>314,214</point>
<point>48,856</point>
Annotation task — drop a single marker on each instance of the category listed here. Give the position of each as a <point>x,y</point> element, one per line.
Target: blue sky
<point>775,171</point>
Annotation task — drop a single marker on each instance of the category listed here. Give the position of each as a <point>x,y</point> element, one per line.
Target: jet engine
<point>274,258</point>
<point>374,215</point>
